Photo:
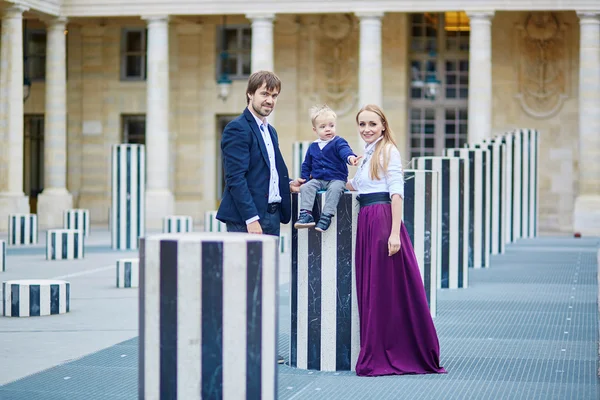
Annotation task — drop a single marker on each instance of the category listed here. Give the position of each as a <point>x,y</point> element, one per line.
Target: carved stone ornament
<point>542,64</point>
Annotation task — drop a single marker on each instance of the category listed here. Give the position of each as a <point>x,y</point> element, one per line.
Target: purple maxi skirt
<point>397,335</point>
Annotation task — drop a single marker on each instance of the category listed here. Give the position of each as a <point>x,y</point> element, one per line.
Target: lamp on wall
<point>224,83</point>
<point>26,80</point>
<point>431,83</point>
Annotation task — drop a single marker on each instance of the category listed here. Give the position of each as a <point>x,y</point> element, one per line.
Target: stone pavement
<point>526,328</point>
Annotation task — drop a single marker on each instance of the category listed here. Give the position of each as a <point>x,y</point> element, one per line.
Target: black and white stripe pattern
<point>454,212</point>
<point>299,150</point>
<point>212,224</point>
<point>508,143</point>
<point>77,219</point>
<point>529,159</point>
<point>35,297</point>
<point>423,223</point>
<point>128,273</point>
<point>64,244</point>
<point>178,224</point>
<point>128,186</point>
<point>2,255</point>
<point>285,242</point>
<point>497,153</point>
<point>324,310</point>
<point>22,229</point>
<point>479,174</point>
<point>208,316</point>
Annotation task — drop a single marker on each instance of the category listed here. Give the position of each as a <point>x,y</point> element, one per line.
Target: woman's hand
<point>349,187</point>
<point>393,243</point>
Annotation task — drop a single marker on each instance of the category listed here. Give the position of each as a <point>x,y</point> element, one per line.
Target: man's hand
<point>295,185</point>
<point>254,227</point>
<point>354,160</point>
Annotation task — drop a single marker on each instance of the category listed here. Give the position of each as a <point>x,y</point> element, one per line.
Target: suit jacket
<point>247,172</point>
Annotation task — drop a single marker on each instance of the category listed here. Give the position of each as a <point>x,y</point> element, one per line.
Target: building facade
<point>79,76</point>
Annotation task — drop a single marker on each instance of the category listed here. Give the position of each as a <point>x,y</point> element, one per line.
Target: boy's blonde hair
<point>317,111</point>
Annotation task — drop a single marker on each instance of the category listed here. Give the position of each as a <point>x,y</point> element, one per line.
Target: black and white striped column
<point>2,255</point>
<point>22,229</point>
<point>128,191</point>
<point>208,316</point>
<point>77,219</point>
<point>507,141</point>
<point>497,161</point>
<point>35,297</point>
<point>454,211</point>
<point>128,273</point>
<point>423,224</point>
<point>212,224</point>
<point>324,311</point>
<point>299,150</point>
<point>285,242</point>
<point>64,244</point>
<point>178,224</point>
<point>529,158</point>
<point>479,175</point>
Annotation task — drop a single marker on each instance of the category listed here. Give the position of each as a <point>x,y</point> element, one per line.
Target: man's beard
<point>260,112</point>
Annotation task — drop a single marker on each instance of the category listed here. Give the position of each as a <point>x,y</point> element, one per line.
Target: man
<point>256,198</point>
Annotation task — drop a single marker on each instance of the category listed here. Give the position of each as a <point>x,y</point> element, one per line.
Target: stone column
<point>262,42</point>
<point>370,89</point>
<point>587,204</point>
<point>480,76</point>
<point>55,198</point>
<point>159,198</point>
<point>12,198</point>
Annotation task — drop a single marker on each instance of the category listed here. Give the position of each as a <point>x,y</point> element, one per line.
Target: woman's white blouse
<point>392,181</point>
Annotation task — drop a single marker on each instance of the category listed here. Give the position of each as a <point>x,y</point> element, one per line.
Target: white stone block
<point>128,273</point>
<point>212,224</point>
<point>22,229</point>
<point>35,297</point>
<point>64,244</point>
<point>77,218</point>
<point>178,224</point>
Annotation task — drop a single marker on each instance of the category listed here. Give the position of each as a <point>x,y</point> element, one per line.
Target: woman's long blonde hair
<point>383,147</point>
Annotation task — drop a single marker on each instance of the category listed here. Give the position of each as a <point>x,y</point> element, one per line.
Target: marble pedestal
<point>50,207</point>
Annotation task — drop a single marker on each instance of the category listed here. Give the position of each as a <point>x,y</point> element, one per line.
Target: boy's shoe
<point>306,220</point>
<point>324,222</point>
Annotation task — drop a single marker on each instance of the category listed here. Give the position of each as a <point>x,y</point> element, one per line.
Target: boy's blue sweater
<point>330,163</point>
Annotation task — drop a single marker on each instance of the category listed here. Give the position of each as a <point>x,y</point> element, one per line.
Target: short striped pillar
<point>212,224</point>
<point>508,143</point>
<point>299,150</point>
<point>497,161</point>
<point>423,224</point>
<point>529,146</point>
<point>128,193</point>
<point>64,244</point>
<point>324,311</point>
<point>208,316</point>
<point>128,273</point>
<point>35,297</point>
<point>285,242</point>
<point>479,176</point>
<point>453,207</point>
<point>2,255</point>
<point>178,224</point>
<point>77,219</point>
<point>22,229</point>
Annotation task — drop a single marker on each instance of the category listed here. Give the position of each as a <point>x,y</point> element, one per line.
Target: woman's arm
<point>394,240</point>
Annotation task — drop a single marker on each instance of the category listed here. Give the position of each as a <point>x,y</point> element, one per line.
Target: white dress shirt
<point>392,181</point>
<point>274,195</point>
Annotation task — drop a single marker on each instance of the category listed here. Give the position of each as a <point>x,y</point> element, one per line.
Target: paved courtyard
<point>526,328</point>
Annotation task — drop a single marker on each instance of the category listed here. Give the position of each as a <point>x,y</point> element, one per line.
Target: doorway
<point>33,158</point>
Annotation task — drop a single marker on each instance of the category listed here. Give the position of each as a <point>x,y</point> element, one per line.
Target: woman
<point>397,335</point>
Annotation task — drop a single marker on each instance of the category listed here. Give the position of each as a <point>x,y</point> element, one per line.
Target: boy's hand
<point>354,160</point>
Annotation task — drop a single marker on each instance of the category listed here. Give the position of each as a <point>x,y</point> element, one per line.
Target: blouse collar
<point>372,145</point>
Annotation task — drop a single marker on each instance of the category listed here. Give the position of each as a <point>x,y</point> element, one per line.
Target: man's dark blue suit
<point>247,172</point>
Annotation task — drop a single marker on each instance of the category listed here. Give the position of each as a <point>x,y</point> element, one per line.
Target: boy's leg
<point>308,192</point>
<point>335,189</point>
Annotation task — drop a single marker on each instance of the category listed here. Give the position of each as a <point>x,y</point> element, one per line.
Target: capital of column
<point>480,16</point>
<point>369,15</point>
<point>156,19</point>
<point>589,17</point>
<point>58,23</point>
<point>15,11</point>
<point>261,17</point>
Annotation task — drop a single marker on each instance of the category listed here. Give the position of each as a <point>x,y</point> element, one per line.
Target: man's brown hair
<point>257,79</point>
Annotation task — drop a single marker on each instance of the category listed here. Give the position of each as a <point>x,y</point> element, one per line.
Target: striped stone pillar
<point>212,224</point>
<point>127,196</point>
<point>22,229</point>
<point>324,312</point>
<point>178,224</point>
<point>423,223</point>
<point>507,142</point>
<point>299,150</point>
<point>453,207</point>
<point>530,146</point>
<point>208,316</point>
<point>64,244</point>
<point>128,273</point>
<point>479,175</point>
<point>77,218</point>
<point>497,161</point>
<point>517,196</point>
<point>285,242</point>
<point>2,255</point>
<point>35,297</point>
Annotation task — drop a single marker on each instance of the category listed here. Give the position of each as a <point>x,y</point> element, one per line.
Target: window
<point>133,54</point>
<point>134,129</point>
<point>234,47</point>
<point>35,62</point>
